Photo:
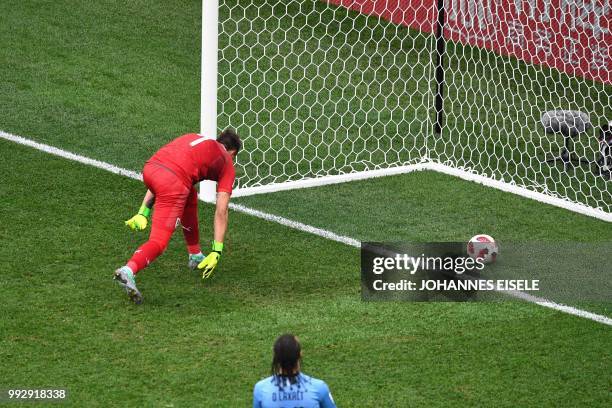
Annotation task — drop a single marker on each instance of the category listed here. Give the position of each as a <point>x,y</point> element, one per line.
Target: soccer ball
<point>483,246</point>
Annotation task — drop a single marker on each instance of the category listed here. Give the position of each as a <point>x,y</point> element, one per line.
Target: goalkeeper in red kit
<point>170,176</point>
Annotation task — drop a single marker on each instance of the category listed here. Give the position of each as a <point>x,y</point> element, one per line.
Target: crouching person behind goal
<point>288,387</point>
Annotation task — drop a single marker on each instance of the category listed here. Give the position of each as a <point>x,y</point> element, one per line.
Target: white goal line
<point>282,221</point>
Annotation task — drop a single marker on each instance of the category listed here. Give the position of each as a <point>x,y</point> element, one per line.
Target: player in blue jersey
<point>287,387</point>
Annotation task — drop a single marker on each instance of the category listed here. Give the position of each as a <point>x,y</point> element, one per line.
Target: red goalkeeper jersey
<point>194,158</point>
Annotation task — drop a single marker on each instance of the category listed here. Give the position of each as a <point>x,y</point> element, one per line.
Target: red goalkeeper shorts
<point>175,203</point>
<point>171,194</point>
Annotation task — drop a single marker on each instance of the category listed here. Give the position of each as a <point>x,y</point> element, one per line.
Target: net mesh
<point>318,88</point>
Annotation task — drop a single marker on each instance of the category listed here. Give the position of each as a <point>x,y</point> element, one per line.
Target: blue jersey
<point>307,392</point>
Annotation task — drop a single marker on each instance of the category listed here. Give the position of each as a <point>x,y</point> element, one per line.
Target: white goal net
<point>325,88</point>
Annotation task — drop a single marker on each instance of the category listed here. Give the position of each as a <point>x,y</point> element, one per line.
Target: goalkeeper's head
<point>230,139</point>
<point>287,358</point>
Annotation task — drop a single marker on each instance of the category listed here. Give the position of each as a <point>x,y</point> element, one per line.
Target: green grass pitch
<point>113,81</point>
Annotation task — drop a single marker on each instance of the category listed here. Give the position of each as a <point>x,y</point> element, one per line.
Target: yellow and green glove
<point>209,263</point>
<point>140,220</point>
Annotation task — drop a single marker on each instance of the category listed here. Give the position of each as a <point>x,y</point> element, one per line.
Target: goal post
<point>326,91</point>
<point>208,82</point>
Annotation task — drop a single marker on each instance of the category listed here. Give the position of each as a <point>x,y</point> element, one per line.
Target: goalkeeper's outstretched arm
<point>209,263</point>
<point>221,216</point>
<point>148,200</point>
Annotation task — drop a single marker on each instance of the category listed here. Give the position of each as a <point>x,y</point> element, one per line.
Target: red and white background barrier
<point>572,36</point>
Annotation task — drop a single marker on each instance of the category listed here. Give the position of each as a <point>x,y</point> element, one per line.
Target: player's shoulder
<point>214,146</point>
<point>266,382</point>
<point>188,136</point>
<point>314,382</point>
<point>197,138</point>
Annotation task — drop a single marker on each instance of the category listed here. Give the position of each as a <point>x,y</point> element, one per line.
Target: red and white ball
<point>484,247</point>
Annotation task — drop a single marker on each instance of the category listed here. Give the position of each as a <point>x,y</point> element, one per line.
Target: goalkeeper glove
<point>209,263</point>
<point>140,220</point>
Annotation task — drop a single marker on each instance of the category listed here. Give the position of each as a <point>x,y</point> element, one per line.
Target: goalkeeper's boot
<point>194,260</point>
<point>125,277</point>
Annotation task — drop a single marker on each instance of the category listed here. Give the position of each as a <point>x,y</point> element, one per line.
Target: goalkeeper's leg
<point>169,205</point>
<point>144,255</point>
<point>189,221</point>
<point>150,250</point>
<point>170,200</point>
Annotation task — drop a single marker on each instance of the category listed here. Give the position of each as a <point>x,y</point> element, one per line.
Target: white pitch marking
<point>281,220</point>
<point>71,156</point>
<point>296,225</point>
<point>598,213</point>
<point>560,307</point>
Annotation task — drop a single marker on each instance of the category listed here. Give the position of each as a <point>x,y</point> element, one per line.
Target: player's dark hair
<point>287,355</point>
<point>230,139</point>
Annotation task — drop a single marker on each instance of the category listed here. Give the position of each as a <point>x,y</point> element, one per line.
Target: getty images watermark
<point>445,272</point>
<point>442,264</point>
